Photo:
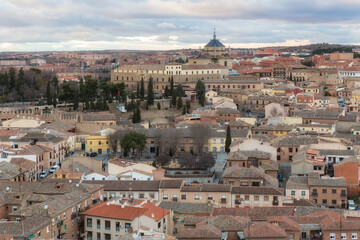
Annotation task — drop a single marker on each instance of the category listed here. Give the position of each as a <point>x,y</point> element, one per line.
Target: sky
<point>68,25</point>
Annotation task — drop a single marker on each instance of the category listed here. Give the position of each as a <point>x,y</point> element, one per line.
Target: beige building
<point>112,219</point>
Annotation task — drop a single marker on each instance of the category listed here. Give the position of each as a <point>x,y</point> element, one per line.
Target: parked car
<point>93,154</point>
<point>54,168</point>
<point>43,174</point>
<point>351,205</point>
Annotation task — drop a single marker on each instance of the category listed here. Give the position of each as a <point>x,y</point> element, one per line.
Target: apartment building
<point>46,210</point>
<point>119,216</point>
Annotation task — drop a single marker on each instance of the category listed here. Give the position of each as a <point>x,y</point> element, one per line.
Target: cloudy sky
<point>37,25</point>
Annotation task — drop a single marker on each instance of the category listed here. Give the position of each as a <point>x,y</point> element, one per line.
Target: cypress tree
<point>138,115</point>
<point>166,94</point>
<point>171,85</point>
<point>158,106</point>
<point>184,111</point>
<point>142,89</point>
<point>76,100</point>
<point>150,96</point>
<point>179,102</point>
<point>54,101</point>
<point>48,94</point>
<point>137,91</point>
<point>228,139</point>
<point>173,99</point>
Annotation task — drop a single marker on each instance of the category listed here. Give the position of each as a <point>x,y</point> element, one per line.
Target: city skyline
<point>164,25</point>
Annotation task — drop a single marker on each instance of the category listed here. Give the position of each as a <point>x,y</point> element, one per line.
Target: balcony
<point>237,201</point>
<point>275,203</point>
<point>174,199</point>
<point>315,194</point>
<point>223,200</point>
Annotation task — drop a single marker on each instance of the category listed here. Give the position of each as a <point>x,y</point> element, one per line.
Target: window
<point>333,191</point>
<point>247,198</point>
<point>324,201</point>
<point>64,215</point>
<point>290,150</point>
<point>141,195</point>
<point>210,197</point>
<point>197,197</point>
<point>303,193</point>
<point>343,235</point>
<point>354,236</point>
<point>293,192</point>
<point>303,235</point>
<point>343,193</point>
<point>324,191</point>
<point>152,195</point>
<point>98,236</point>
<point>98,223</point>
<point>333,201</point>
<point>14,208</point>
<point>183,196</point>
<point>89,235</point>
<point>107,225</point>
<point>117,225</point>
<point>39,234</point>
<point>47,229</point>
<point>65,227</point>
<point>256,198</point>
<point>291,236</point>
<point>266,198</point>
<point>89,222</point>
<point>165,196</point>
<point>332,236</point>
<point>221,140</point>
<point>214,140</point>
<point>107,236</point>
<point>222,149</point>
<point>278,158</point>
<point>159,224</point>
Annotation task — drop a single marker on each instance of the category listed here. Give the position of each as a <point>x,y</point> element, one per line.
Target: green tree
<point>228,139</point>
<point>67,93</point>
<point>138,114</point>
<point>137,90</point>
<point>133,141</point>
<point>180,90</point>
<point>179,102</point>
<point>142,89</point>
<point>54,101</point>
<point>20,83</point>
<point>308,63</point>
<point>158,105</point>
<point>12,78</point>
<point>166,93</point>
<point>184,110</point>
<point>76,100</point>
<point>150,93</point>
<point>48,94</point>
<point>200,90</point>
<point>171,85</point>
<point>91,86</point>
<point>327,94</point>
<point>188,106</point>
<point>173,99</point>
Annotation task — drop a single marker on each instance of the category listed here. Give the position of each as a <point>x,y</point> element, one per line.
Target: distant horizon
<point>178,49</point>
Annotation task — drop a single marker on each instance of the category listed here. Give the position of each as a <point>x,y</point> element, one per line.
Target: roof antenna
<point>214,33</point>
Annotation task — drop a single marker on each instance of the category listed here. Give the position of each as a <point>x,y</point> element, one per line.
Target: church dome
<point>214,42</point>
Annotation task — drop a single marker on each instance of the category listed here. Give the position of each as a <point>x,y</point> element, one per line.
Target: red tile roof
<point>115,211</point>
<point>158,212</point>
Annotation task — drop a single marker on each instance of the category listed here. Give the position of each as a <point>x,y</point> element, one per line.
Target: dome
<point>214,42</point>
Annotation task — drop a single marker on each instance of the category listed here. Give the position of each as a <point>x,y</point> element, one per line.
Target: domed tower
<point>215,48</point>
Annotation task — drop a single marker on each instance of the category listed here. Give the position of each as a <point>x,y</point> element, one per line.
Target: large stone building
<point>212,64</point>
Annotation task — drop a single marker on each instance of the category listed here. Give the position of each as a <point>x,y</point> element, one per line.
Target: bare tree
<point>162,159</point>
<point>187,160</point>
<point>200,134</point>
<point>170,138</point>
<point>206,161</point>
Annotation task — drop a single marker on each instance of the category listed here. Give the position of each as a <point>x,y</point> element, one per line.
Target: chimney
<point>152,215</point>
